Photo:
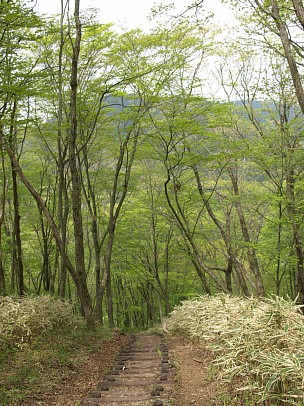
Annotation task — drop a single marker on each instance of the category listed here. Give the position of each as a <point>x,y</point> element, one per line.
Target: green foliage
<point>259,342</point>
<point>140,96</point>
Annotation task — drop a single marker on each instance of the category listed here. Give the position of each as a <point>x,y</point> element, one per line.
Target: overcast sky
<point>132,13</point>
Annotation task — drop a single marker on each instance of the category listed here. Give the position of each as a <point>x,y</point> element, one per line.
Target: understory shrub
<point>257,343</point>
<point>21,319</point>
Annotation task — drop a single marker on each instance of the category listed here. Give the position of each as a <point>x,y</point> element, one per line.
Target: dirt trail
<point>142,375</point>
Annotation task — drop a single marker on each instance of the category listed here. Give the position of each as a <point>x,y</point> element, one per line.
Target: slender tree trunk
<point>299,9</point>
<point>75,176</point>
<point>126,320</point>
<point>166,269</point>
<point>74,170</point>
<point>297,237</point>
<point>63,212</point>
<point>127,155</point>
<point>79,280</point>
<point>98,241</point>
<point>106,281</point>
<point>17,245</point>
<point>279,238</point>
<point>2,212</point>
<point>251,252</point>
<point>198,263</point>
<point>228,275</point>
<point>110,302</point>
<point>286,42</point>
<point>155,268</point>
<point>2,273</point>
<point>62,192</point>
<point>233,262</point>
<point>45,256</point>
<point>97,255</point>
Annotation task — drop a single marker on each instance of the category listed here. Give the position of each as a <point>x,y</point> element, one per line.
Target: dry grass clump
<point>23,319</point>
<point>259,343</point>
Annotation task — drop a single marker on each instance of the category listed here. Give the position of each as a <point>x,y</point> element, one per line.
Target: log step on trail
<point>142,375</point>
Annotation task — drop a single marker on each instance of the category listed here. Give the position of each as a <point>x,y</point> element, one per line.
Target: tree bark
<point>80,282</point>
<point>295,75</point>
<point>75,176</point>
<point>251,252</point>
<point>97,240</point>
<point>63,208</point>
<point>16,240</point>
<point>2,211</point>
<point>297,237</point>
<point>166,269</point>
<point>195,256</point>
<point>116,201</point>
<point>110,303</point>
<point>232,262</point>
<point>17,245</point>
<point>299,9</point>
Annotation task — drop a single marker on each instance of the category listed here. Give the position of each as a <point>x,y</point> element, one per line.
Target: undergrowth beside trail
<point>42,343</point>
<point>21,320</point>
<point>258,344</point>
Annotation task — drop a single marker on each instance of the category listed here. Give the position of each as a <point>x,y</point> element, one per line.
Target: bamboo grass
<point>259,343</point>
<point>23,319</point>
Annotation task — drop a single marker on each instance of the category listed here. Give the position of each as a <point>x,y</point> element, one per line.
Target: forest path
<point>142,375</point>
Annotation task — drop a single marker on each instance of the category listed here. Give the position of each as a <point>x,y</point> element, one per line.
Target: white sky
<point>133,13</point>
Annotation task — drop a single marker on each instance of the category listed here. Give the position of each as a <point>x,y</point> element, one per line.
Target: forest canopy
<point>124,185</point>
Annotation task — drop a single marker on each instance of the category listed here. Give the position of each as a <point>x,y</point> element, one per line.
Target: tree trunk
<point>110,302</point>
<point>2,273</point>
<point>166,269</point>
<point>251,252</point>
<point>299,9</point>
<point>297,237</point>
<point>279,248</point>
<point>228,275</point>
<point>79,280</point>
<point>97,252</point>
<point>116,201</point>
<point>16,240</point>
<point>2,211</point>
<point>98,241</point>
<point>286,42</point>
<point>195,256</point>
<point>86,300</point>
<point>63,212</point>
<point>233,262</point>
<point>106,278</point>
<point>62,151</point>
<point>46,266</point>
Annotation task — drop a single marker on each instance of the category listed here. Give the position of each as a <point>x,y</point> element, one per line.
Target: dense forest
<point>123,186</point>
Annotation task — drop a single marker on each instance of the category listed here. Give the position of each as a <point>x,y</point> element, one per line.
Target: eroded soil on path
<point>194,385</point>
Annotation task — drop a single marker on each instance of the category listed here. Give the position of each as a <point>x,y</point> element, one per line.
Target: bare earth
<point>194,385</point>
